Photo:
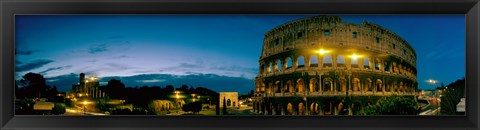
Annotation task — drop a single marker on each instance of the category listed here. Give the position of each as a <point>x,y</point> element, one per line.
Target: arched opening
<point>354,62</point>
<point>327,85</point>
<point>328,108</point>
<point>314,109</point>
<point>378,85</point>
<point>356,108</point>
<point>340,61</point>
<point>327,60</point>
<point>279,65</point>
<point>262,88</point>
<point>301,62</point>
<point>300,85</point>
<point>270,69</point>
<point>288,86</point>
<point>277,87</point>
<point>289,63</point>
<point>262,69</point>
<point>401,87</point>
<point>314,61</point>
<point>343,84</point>
<point>367,87</point>
<point>229,103</point>
<point>366,63</point>
<point>278,109</point>
<point>269,88</point>
<point>341,109</point>
<point>313,85</point>
<point>289,109</point>
<point>356,84</point>
<point>301,109</point>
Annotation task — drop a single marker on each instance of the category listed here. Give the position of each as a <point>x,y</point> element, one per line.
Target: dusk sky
<point>220,52</point>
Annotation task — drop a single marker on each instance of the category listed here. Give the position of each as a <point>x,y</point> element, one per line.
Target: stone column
<point>307,61</point>
<point>334,61</point>
<point>320,61</point>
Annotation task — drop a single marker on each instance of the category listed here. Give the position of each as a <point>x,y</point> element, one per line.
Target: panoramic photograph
<point>240,65</point>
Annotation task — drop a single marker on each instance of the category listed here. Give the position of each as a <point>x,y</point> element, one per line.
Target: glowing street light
<point>321,51</point>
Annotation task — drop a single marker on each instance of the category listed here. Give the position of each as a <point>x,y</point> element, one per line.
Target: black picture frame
<point>470,8</point>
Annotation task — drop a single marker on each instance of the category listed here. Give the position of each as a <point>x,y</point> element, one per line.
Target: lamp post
<point>85,107</point>
<point>434,82</point>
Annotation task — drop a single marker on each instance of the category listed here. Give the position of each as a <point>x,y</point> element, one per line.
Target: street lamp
<point>321,51</point>
<point>85,103</point>
<point>431,81</point>
<point>177,96</point>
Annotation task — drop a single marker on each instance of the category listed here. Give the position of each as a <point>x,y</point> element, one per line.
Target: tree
<point>194,107</point>
<point>34,85</point>
<point>393,105</point>
<point>115,88</point>
<point>225,106</point>
<point>451,96</point>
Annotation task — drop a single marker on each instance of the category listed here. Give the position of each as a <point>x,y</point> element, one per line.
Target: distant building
<point>231,99</point>
<point>87,88</point>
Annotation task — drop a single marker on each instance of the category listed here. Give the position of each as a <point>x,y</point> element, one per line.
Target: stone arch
<point>366,62</point>
<point>269,88</point>
<point>313,85</point>
<point>277,87</point>
<point>262,69</point>
<point>300,62</point>
<point>262,88</point>
<point>340,108</point>
<point>279,65</point>
<point>288,62</point>
<point>300,85</point>
<point>367,87</point>
<point>327,60</point>
<point>301,108</point>
<point>313,61</point>
<point>356,84</point>
<point>229,103</point>
<point>314,109</point>
<point>400,89</point>
<point>342,82</point>
<point>278,109</point>
<point>289,109</point>
<point>327,85</point>
<point>328,108</point>
<point>379,85</point>
<point>289,86</point>
<point>270,68</point>
<point>340,61</point>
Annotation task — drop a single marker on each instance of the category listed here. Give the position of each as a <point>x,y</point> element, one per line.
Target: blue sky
<point>196,49</point>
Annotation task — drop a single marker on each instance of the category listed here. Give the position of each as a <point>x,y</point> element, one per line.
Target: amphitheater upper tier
<point>321,36</point>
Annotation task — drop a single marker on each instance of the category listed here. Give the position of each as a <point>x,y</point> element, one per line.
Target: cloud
<point>98,48</point>
<point>33,65</point>
<point>152,81</point>
<point>56,68</point>
<point>187,65</point>
<point>29,52</point>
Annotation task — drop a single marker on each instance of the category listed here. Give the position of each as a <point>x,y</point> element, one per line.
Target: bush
<point>58,109</point>
<point>393,105</point>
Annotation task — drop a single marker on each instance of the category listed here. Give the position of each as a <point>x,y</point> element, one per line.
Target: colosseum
<point>323,66</point>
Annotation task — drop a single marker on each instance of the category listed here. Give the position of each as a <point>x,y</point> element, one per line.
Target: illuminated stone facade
<point>323,66</point>
<point>231,99</point>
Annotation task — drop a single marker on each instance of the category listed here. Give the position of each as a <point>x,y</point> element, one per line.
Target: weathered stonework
<point>310,66</point>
